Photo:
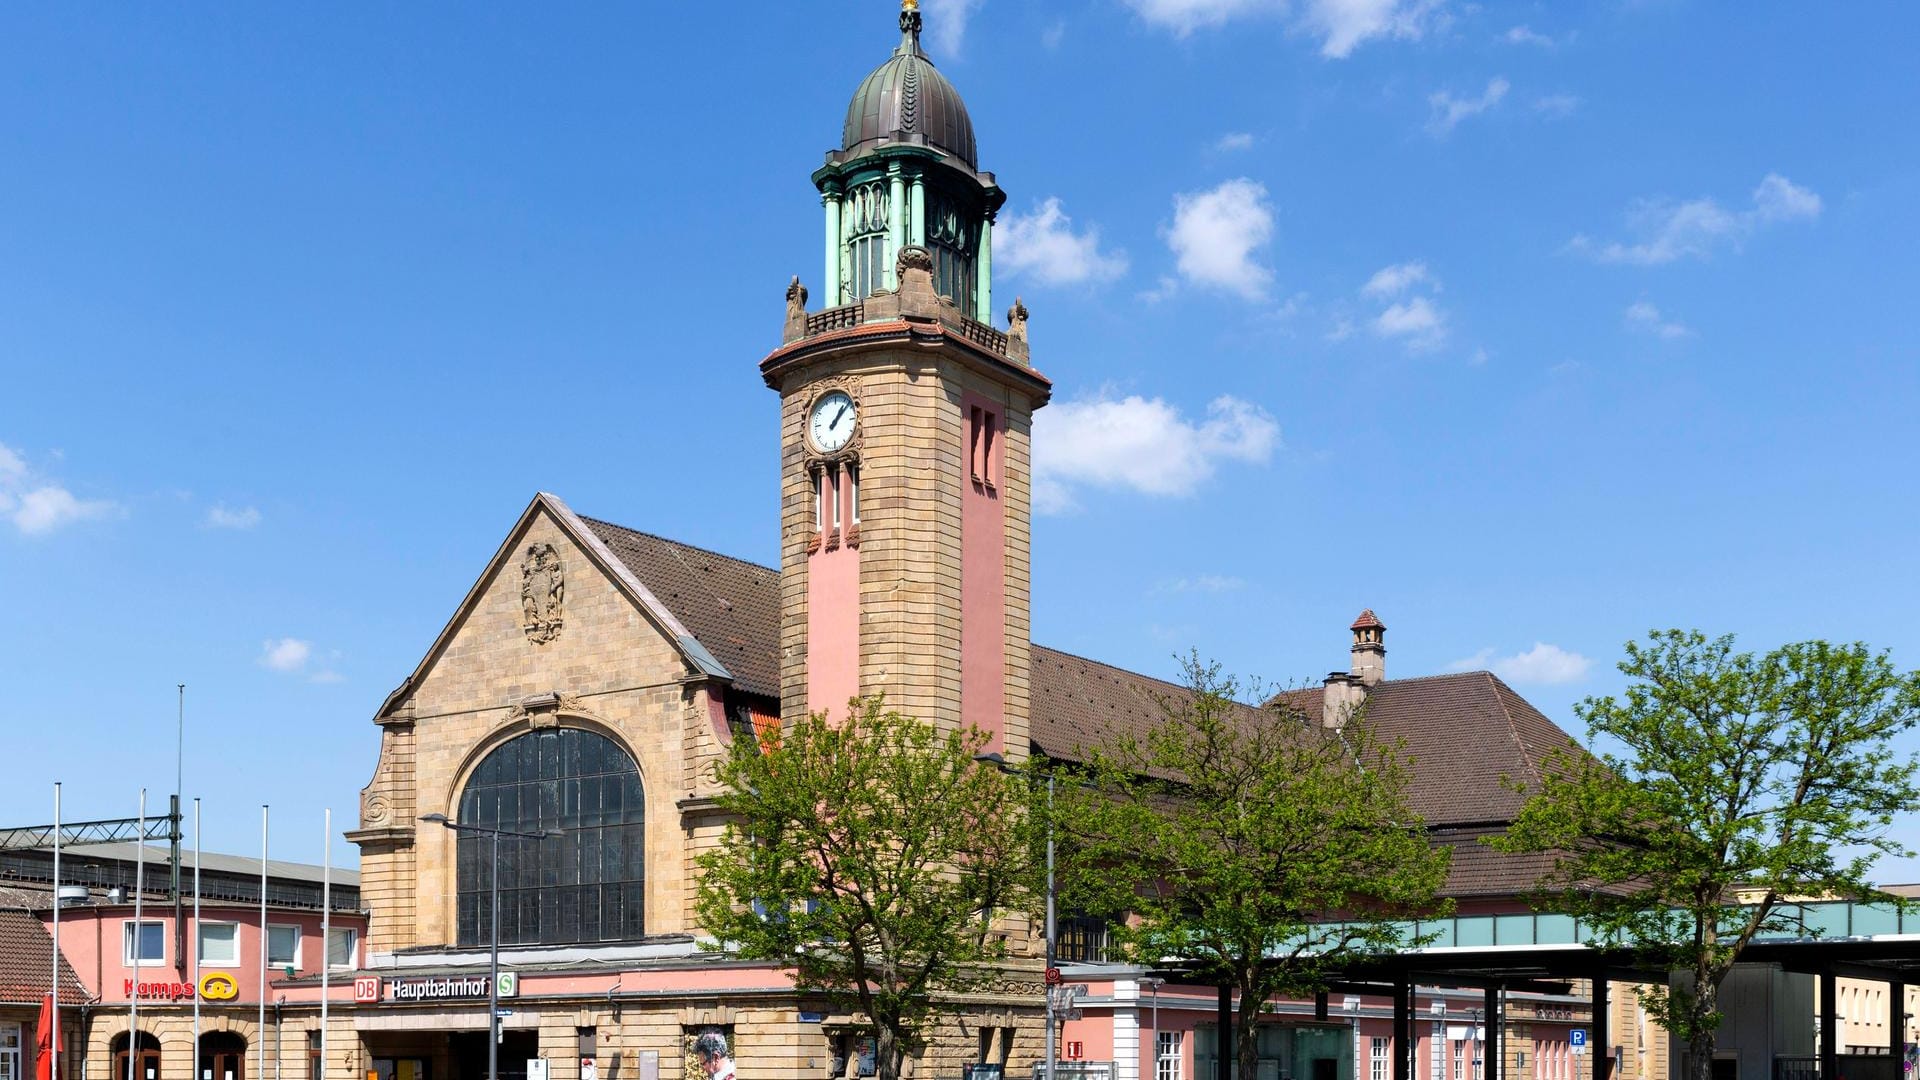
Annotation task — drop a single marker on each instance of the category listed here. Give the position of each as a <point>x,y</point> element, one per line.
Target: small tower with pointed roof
<point>1369,649</point>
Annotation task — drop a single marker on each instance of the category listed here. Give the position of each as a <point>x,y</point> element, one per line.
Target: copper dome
<point>907,96</point>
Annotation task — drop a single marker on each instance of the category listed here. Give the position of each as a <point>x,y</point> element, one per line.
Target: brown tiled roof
<point>1466,733</point>
<point>730,606</point>
<point>25,949</point>
<point>1368,621</point>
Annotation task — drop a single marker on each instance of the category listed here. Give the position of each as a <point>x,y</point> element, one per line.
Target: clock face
<point>831,423</point>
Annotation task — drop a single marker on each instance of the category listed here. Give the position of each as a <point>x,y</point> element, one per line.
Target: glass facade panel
<point>1473,930</point>
<point>587,884</point>
<point>1513,929</point>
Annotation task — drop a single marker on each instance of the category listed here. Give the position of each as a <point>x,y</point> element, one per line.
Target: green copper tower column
<point>983,307</point>
<point>917,225</point>
<point>896,219</point>
<point>832,291</point>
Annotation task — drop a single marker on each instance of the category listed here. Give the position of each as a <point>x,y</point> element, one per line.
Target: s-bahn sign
<point>368,989</point>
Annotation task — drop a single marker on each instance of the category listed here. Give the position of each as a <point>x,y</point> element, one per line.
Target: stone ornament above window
<point>543,594</point>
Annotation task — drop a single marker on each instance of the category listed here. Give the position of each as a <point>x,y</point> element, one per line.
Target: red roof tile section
<point>1368,621</point>
<point>26,952</point>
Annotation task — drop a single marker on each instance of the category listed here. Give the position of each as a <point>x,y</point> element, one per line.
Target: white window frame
<point>1459,1059</point>
<point>1166,1058</point>
<point>1377,1058</point>
<point>9,1050</point>
<point>298,935</point>
<point>127,937</point>
<point>200,944</point>
<point>353,948</point>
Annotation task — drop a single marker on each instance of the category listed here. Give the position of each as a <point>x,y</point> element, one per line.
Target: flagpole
<point>139,891</point>
<point>262,1028</point>
<point>326,936</point>
<point>53,1048</point>
<point>196,935</point>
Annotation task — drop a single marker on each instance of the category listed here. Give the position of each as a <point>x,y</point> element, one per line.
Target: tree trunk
<point>1247,1034</point>
<point>1706,996</point>
<point>888,1053</point>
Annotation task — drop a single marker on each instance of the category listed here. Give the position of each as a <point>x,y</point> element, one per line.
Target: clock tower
<point>906,481</point>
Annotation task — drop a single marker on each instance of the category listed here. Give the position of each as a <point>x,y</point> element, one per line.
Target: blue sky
<point>1529,326</point>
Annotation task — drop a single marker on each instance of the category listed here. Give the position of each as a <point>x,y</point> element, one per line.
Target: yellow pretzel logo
<point>216,986</point>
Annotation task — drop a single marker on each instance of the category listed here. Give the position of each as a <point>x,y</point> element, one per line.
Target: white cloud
<point>1646,318</point>
<point>1345,24</point>
<point>285,654</point>
<point>1411,316</point>
<point>224,517</point>
<point>1202,583</point>
<point>1341,25</point>
<point>1417,321</point>
<point>1524,35</point>
<point>1044,245</point>
<point>36,505</point>
<point>1542,665</point>
<point>1216,232</point>
<point>947,24</point>
<point>1697,228</point>
<point>1556,104</point>
<point>1143,445</point>
<point>1234,140</point>
<point>1448,110</point>
<point>1396,279</point>
<point>1054,34</point>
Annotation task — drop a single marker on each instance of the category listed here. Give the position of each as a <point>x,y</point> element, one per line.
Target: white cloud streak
<point>1448,110</point>
<point>1044,246</point>
<point>1141,445</point>
<point>1524,35</point>
<point>1396,279</point>
<point>1647,319</point>
<point>947,24</point>
<point>1216,234</point>
<point>1696,229</point>
<point>286,655</point>
<point>1411,315</point>
<point>37,505</point>
<point>1542,665</point>
<point>1202,583</point>
<point>1339,25</point>
<point>224,517</point>
<point>1234,140</point>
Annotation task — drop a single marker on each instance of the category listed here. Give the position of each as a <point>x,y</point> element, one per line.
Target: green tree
<point>1228,834</point>
<point>1728,786</point>
<point>874,857</point>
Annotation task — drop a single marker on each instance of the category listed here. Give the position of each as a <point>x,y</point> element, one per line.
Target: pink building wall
<point>983,573</point>
<point>92,940</point>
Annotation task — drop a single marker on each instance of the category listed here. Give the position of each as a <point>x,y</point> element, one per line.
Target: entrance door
<point>223,1056</point>
<point>148,1067</point>
<point>469,1052</point>
<point>401,1068</point>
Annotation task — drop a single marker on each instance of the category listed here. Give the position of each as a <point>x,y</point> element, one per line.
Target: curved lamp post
<point>493,947</point>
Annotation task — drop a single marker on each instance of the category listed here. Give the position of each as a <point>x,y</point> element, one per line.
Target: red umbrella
<point>47,1040</point>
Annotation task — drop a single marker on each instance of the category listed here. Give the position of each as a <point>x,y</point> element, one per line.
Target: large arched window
<point>587,884</point>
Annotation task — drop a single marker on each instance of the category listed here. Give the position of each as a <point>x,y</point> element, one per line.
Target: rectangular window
<point>1166,1060</point>
<point>974,426</point>
<point>1459,1059</point>
<point>10,1050</point>
<point>1377,1059</point>
<point>853,492</point>
<point>220,944</point>
<point>836,497</point>
<point>988,430</point>
<point>819,500</point>
<point>340,948</point>
<point>143,943</point>
<point>283,946</point>
<point>314,1072</point>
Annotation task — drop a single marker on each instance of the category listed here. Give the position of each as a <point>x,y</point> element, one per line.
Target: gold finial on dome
<point>909,5</point>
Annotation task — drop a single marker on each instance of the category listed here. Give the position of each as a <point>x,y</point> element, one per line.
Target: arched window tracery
<point>585,885</point>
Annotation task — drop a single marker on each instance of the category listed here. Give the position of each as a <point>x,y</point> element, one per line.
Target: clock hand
<point>835,422</point>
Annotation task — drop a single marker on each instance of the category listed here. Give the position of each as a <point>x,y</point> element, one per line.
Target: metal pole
<point>261,1071</point>
<point>196,934</point>
<point>53,1048</point>
<point>493,971</point>
<point>139,887</point>
<point>1052,1048</point>
<point>326,936</point>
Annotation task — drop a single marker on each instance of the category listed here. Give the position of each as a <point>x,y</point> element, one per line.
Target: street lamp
<point>493,946</point>
<point>1153,983</point>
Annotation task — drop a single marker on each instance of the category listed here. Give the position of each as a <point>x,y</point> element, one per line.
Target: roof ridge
<point>681,544</point>
<point>1513,727</point>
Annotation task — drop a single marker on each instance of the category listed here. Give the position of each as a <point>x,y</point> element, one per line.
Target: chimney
<point>1345,692</point>
<point>1369,649</point>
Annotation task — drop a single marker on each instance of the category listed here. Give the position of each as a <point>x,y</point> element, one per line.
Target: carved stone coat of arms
<point>543,594</point>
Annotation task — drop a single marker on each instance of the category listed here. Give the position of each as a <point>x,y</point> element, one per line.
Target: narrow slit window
<point>834,488</point>
<point>987,470</point>
<point>819,511</point>
<point>973,442</point>
<point>853,493</point>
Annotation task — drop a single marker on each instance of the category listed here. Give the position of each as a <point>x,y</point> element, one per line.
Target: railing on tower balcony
<point>984,336</point>
<point>836,318</point>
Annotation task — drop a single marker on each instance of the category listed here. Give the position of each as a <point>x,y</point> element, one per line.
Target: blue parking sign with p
<point>1577,1037</point>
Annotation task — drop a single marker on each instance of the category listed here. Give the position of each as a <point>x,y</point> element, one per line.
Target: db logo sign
<point>219,987</point>
<point>366,989</point>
